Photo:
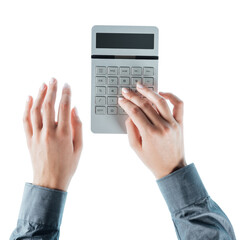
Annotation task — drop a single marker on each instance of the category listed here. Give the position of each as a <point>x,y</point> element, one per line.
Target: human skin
<point>55,146</point>
<point>154,133</point>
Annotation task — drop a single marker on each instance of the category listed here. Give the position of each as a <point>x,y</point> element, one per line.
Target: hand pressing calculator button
<point>121,57</point>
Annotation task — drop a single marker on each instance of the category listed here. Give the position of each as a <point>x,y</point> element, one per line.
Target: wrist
<point>170,169</point>
<point>51,183</point>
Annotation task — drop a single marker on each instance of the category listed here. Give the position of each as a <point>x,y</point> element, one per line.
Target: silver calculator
<point>121,57</point>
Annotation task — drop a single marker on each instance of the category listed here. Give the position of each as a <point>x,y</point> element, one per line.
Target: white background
<point>113,195</point>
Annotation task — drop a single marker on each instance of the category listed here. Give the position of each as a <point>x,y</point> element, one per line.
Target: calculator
<point>121,57</point>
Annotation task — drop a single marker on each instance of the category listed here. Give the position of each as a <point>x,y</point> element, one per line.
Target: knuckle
<point>47,135</point>
<point>161,101</point>
<point>35,109</point>
<point>166,130</point>
<point>64,130</point>
<point>135,110</point>
<point>64,105</point>
<point>175,126</point>
<point>145,104</point>
<point>152,131</point>
<point>47,105</point>
<point>180,103</point>
<point>25,118</point>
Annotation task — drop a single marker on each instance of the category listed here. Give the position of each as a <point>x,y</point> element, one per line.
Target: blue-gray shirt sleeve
<point>195,215</point>
<point>40,214</point>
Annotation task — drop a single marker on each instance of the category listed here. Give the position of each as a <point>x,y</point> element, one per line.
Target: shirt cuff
<point>182,188</point>
<point>42,205</point>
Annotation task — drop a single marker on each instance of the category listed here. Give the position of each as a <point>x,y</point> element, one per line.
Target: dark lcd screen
<point>125,40</point>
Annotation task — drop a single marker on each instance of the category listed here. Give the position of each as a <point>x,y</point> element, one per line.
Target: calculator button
<point>148,81</point>
<point>121,111</point>
<point>112,110</point>
<point>112,70</point>
<point>101,70</point>
<point>100,80</point>
<point>100,100</point>
<point>100,110</point>
<point>112,80</point>
<point>135,80</point>
<point>134,90</point>
<point>120,89</point>
<point>148,71</point>
<point>124,81</point>
<point>136,71</point>
<point>100,90</point>
<point>112,100</point>
<point>124,71</point>
<point>112,90</point>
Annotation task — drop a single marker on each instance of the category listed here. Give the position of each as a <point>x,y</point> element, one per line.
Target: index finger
<point>136,114</point>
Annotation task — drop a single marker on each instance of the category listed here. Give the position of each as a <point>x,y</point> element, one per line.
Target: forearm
<point>194,213</point>
<point>40,213</point>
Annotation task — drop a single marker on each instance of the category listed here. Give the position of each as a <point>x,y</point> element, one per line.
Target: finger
<point>136,114</point>
<point>158,101</point>
<point>177,105</point>
<point>134,137</point>
<point>36,109</point>
<point>27,123</point>
<point>64,108</point>
<point>76,130</point>
<point>145,106</point>
<point>49,103</point>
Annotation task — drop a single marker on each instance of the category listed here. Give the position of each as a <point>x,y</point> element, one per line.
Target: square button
<point>100,80</point>
<point>124,81</point>
<point>148,71</point>
<point>148,81</point>
<point>136,71</point>
<point>100,100</point>
<point>124,71</point>
<point>135,80</point>
<point>112,110</point>
<point>112,80</point>
<point>100,110</point>
<point>112,100</point>
<point>100,90</point>
<point>101,70</point>
<point>112,70</point>
<point>113,90</point>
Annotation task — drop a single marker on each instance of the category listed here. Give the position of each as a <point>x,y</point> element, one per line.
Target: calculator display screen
<point>125,40</point>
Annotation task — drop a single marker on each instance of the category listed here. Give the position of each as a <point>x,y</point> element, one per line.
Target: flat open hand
<point>54,147</point>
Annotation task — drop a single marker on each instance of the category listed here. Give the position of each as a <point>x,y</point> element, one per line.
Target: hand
<point>54,147</point>
<point>154,133</point>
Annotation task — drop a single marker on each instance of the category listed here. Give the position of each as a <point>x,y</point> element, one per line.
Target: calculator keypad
<point>109,82</point>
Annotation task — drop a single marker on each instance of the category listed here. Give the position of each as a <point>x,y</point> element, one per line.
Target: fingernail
<point>43,87</point>
<point>125,90</point>
<point>52,81</point>
<point>139,85</point>
<point>120,98</point>
<point>76,112</point>
<point>66,85</point>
